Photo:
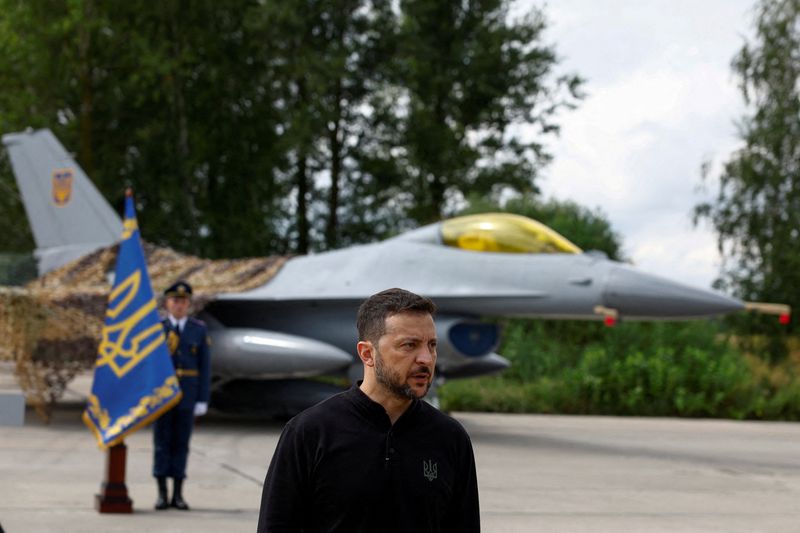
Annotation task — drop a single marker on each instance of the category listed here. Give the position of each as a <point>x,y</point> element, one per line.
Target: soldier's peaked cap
<point>181,288</point>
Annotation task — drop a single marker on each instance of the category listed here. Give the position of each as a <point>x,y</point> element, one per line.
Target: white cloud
<point>661,101</point>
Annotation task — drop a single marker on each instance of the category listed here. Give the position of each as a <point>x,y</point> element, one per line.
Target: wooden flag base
<point>113,497</point>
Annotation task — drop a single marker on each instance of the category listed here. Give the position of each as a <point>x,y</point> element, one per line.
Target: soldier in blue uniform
<point>187,339</point>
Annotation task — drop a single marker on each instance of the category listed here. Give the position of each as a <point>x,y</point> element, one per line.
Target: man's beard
<point>393,382</point>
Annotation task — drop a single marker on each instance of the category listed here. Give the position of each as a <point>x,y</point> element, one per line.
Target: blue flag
<point>134,380</point>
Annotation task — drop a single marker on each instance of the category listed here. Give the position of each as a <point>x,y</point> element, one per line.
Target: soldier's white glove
<point>200,408</point>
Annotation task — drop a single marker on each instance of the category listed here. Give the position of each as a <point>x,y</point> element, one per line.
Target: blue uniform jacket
<point>192,362</point>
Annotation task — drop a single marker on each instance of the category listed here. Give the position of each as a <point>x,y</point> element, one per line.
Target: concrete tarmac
<point>536,473</point>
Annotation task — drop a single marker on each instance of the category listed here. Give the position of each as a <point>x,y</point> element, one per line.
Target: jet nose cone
<point>639,295</point>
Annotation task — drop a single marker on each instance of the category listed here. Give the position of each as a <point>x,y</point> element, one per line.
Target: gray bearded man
<point>377,457</point>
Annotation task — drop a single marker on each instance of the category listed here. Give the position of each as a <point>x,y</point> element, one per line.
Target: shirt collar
<point>375,411</point>
<point>181,323</point>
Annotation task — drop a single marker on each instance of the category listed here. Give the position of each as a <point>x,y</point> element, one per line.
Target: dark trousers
<point>171,433</point>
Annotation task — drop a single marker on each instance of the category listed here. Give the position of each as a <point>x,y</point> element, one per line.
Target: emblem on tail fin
<point>62,186</point>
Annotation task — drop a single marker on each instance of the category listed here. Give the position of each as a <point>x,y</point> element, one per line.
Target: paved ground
<point>536,473</point>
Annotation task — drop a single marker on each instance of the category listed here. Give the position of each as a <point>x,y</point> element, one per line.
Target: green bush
<point>655,369</point>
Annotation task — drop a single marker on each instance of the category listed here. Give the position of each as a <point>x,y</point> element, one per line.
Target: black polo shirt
<point>341,466</point>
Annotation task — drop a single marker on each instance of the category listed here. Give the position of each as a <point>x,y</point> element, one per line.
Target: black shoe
<point>178,503</point>
<point>161,502</point>
<point>177,496</point>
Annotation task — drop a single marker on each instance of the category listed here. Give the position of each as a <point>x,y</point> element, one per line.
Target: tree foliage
<point>650,369</point>
<point>466,78</point>
<point>13,224</point>
<point>166,98</point>
<point>756,212</point>
<point>323,59</point>
<point>249,128</point>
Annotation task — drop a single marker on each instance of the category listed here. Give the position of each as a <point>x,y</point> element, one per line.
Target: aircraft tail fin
<point>68,215</point>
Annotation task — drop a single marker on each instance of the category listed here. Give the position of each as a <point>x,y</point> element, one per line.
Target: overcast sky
<point>661,99</point>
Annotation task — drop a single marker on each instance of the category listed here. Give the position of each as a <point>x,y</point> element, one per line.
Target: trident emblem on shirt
<point>430,470</point>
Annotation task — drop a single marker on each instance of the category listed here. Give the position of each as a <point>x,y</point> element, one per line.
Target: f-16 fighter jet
<point>300,322</point>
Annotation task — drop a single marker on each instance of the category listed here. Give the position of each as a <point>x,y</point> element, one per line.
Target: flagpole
<point>113,497</point>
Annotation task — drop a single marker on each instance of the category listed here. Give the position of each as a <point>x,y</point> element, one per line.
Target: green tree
<point>188,123</point>
<point>168,98</point>
<point>756,212</point>
<point>324,57</point>
<point>37,42</point>
<point>13,224</point>
<point>248,128</point>
<point>467,80</point>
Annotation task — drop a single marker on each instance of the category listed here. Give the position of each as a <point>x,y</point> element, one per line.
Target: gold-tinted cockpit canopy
<point>504,232</point>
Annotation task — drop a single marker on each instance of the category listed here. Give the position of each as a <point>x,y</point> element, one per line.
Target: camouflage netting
<point>51,328</point>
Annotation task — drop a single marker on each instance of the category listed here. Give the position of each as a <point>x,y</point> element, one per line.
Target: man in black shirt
<point>377,458</point>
